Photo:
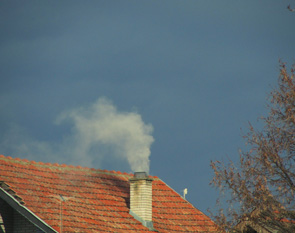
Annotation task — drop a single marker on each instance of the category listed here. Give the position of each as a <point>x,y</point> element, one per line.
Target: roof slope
<point>95,200</point>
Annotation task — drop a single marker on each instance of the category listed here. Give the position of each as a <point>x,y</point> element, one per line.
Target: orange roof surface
<point>95,200</point>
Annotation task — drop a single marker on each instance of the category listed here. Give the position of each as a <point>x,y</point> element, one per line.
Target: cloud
<point>16,142</point>
<point>98,131</point>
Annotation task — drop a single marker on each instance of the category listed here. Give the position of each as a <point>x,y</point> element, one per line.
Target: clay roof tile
<point>94,200</point>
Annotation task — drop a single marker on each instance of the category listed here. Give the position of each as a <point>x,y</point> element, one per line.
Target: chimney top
<point>140,175</point>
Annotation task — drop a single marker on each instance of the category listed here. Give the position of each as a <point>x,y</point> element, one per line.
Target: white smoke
<point>101,123</point>
<point>96,129</point>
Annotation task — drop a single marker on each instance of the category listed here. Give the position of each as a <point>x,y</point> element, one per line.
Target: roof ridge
<point>57,165</point>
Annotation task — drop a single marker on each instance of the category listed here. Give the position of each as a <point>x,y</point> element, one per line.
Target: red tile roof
<point>95,200</point>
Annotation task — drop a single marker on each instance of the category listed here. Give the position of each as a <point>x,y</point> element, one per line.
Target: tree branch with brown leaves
<point>260,190</point>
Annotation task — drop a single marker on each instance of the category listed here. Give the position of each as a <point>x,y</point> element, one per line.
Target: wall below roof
<point>15,222</point>
<point>6,216</point>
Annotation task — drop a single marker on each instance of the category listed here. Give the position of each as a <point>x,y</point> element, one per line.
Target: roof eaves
<point>24,211</point>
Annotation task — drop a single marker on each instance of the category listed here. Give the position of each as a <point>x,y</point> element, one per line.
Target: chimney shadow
<point>127,201</point>
<point>121,188</point>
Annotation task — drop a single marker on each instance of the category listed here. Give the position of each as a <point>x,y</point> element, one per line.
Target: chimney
<point>141,198</point>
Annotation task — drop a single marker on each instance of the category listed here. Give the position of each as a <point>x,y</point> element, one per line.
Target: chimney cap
<point>140,176</point>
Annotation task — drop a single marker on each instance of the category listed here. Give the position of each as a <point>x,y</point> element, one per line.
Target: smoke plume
<point>97,131</point>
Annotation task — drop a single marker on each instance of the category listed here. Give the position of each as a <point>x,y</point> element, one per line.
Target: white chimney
<point>141,198</point>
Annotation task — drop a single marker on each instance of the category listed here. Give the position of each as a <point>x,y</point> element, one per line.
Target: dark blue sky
<point>195,71</point>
